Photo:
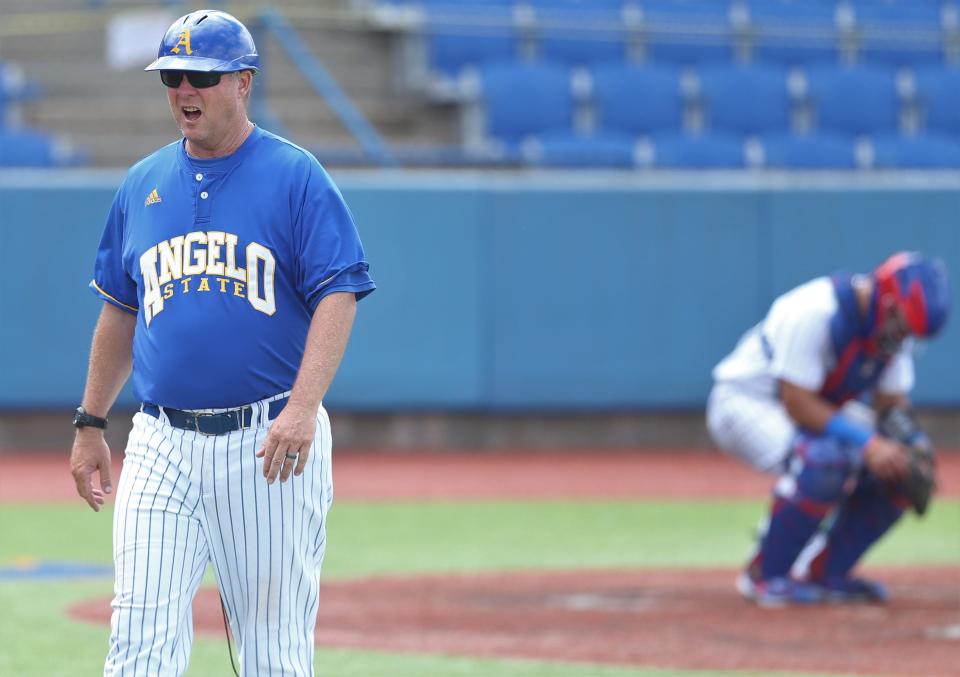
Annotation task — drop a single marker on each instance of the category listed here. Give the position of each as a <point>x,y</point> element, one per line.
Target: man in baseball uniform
<point>781,402</point>
<point>230,269</point>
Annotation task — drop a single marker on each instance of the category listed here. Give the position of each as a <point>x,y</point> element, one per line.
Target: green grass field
<point>368,539</point>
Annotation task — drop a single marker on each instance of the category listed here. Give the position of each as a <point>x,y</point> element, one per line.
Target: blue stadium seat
<point>580,32</point>
<point>687,31</point>
<point>565,149</point>
<point>519,100</point>
<point>745,99</point>
<point>14,85</point>
<point>585,5</point>
<point>854,100</point>
<point>794,32</point>
<point>808,151</point>
<point>926,151</point>
<point>637,100</point>
<point>938,97</point>
<point>29,148</point>
<point>899,33</point>
<point>14,89</point>
<point>706,151</point>
<point>464,33</point>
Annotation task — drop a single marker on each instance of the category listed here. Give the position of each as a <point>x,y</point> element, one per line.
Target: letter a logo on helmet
<point>183,41</point>
<point>207,40</point>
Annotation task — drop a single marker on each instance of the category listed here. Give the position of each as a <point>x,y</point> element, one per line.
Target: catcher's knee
<point>822,469</point>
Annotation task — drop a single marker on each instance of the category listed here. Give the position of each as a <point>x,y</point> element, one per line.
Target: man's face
<point>893,330</point>
<point>209,117</point>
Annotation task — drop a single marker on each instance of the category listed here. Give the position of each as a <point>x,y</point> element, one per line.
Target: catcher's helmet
<point>207,40</point>
<point>918,286</point>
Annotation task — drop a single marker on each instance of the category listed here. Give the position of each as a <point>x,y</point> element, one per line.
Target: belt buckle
<point>196,423</point>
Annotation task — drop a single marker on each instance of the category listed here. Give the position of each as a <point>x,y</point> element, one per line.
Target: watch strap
<point>82,419</point>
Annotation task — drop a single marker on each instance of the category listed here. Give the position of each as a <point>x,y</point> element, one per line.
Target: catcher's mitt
<point>920,482</point>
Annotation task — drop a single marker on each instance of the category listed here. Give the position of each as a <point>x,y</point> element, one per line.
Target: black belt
<point>212,424</point>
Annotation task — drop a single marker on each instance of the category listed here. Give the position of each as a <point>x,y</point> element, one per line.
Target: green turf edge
<point>405,537</point>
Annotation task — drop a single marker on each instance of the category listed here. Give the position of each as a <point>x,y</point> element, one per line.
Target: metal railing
<point>324,85</point>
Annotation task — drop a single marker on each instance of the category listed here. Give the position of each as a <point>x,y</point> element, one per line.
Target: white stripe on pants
<point>185,500</point>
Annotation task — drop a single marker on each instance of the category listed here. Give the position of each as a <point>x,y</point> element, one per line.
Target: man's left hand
<point>288,443</point>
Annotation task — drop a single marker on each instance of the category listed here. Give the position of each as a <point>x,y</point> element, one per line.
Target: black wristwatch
<point>81,419</point>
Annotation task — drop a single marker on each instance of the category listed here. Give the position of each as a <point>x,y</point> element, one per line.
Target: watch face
<point>82,419</point>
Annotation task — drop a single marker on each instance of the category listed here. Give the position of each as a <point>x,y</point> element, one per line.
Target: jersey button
<point>199,177</point>
<point>204,195</point>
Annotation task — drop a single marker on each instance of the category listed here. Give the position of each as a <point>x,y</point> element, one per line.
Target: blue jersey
<point>224,261</point>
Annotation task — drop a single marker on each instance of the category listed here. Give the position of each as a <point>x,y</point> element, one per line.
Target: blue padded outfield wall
<point>518,291</point>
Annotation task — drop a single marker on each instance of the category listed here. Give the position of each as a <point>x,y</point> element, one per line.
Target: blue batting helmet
<point>917,285</point>
<point>207,40</point>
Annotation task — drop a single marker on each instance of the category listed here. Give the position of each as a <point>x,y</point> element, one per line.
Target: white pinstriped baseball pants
<point>756,428</point>
<point>752,427</point>
<point>185,500</point>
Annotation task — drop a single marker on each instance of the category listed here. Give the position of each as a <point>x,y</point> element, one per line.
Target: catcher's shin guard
<point>813,486</point>
<point>792,524</point>
<point>861,521</point>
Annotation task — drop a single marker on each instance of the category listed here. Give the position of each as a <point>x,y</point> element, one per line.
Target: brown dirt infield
<point>366,475</point>
<point>686,619</point>
<point>683,619</point>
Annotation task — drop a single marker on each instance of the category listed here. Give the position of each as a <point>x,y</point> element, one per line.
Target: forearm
<point>326,343</point>
<point>812,412</point>
<point>806,408</point>
<point>111,357</point>
<point>884,402</point>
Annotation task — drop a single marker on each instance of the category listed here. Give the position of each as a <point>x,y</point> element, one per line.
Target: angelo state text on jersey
<point>206,262</point>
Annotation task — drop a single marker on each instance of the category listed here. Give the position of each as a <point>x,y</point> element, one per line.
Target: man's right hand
<point>91,454</point>
<point>886,458</point>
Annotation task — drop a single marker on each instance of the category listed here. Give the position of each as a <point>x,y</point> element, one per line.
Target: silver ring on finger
<point>292,457</point>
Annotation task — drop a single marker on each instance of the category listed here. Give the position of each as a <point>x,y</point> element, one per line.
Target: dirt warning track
<point>370,475</point>
<point>684,619</point>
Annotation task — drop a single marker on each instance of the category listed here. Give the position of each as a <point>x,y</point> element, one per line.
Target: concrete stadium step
<point>67,112</point>
<point>121,150</point>
<point>24,6</point>
<point>63,110</point>
<point>33,6</point>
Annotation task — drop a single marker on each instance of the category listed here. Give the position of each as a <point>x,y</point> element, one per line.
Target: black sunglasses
<point>198,79</point>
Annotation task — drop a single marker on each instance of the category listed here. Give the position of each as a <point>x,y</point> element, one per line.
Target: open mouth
<point>191,113</point>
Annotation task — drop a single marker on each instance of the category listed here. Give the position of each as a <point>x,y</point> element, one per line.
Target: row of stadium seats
<point>36,148</point>
<point>511,101</point>
<point>818,84</point>
<point>460,33</point>
<point>727,151</point>
<point>21,147</point>
<point>15,89</point>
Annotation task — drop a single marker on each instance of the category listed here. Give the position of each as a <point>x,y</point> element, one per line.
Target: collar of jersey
<point>219,164</point>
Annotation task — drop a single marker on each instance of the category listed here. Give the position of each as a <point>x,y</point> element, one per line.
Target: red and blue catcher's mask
<point>917,287</point>
<point>207,40</point>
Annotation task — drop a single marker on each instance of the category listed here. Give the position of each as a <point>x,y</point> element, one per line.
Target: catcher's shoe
<point>852,590</point>
<point>778,592</point>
